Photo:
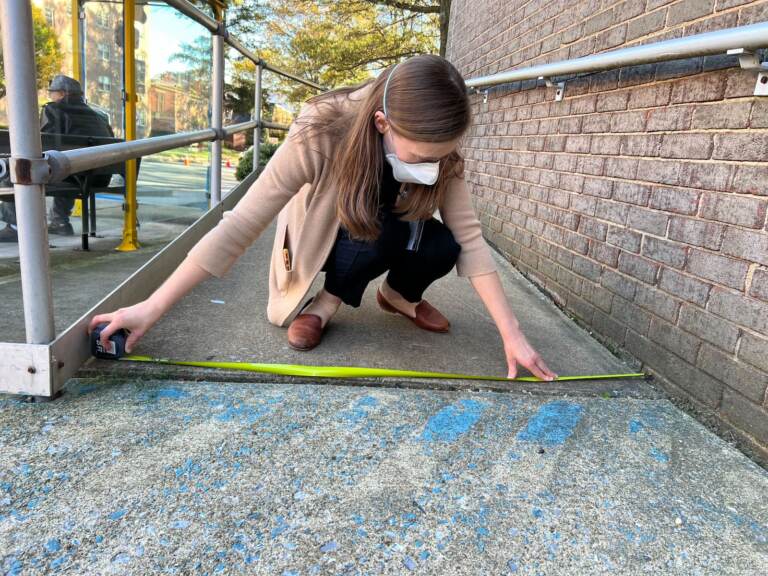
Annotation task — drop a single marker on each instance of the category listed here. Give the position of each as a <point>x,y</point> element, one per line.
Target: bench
<point>81,185</point>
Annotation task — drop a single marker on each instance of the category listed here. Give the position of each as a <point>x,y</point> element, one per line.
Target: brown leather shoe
<point>306,330</point>
<point>427,316</point>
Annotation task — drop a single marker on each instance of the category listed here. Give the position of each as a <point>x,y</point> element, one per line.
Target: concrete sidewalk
<point>147,469</point>
<point>225,320</point>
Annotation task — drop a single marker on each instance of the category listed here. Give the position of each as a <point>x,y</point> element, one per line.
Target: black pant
<point>353,263</point>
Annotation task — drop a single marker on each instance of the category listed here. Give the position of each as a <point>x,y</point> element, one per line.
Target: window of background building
<point>160,101</point>
<point>103,18</point>
<point>104,52</point>
<point>141,117</point>
<point>105,83</point>
<point>141,72</point>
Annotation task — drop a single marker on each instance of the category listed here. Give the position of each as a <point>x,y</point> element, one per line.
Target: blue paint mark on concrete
<point>243,413</point>
<point>53,545</point>
<point>359,411</point>
<point>552,424</point>
<point>280,528</point>
<point>409,563</point>
<point>635,426</point>
<point>179,524</point>
<point>189,468</point>
<point>15,566</point>
<point>121,558</point>
<point>658,455</point>
<point>452,421</point>
<point>118,514</point>
<point>512,565</point>
<point>329,547</point>
<point>58,562</point>
<point>537,512</point>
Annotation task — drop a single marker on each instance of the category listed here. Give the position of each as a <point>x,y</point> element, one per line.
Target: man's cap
<point>66,84</point>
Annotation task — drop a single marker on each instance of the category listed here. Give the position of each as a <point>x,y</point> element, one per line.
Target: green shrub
<point>245,164</point>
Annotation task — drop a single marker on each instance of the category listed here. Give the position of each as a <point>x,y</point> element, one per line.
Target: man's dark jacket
<point>72,116</point>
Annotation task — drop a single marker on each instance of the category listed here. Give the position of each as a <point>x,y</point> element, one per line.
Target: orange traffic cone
<point>186,161</point>
<point>229,163</point>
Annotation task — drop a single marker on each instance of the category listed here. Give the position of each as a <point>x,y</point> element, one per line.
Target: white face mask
<point>415,173</point>
<point>420,173</point>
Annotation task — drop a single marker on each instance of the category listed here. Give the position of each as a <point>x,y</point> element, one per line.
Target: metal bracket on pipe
<point>748,60</point>
<point>4,169</point>
<point>58,165</point>
<point>485,95</point>
<point>29,170</point>
<point>560,92</point>
<point>222,31</point>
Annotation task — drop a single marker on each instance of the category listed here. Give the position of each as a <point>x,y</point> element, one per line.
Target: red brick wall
<point>639,201</point>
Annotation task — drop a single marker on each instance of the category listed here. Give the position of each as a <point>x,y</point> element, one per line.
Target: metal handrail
<point>275,125</point>
<point>215,27</point>
<point>746,38</point>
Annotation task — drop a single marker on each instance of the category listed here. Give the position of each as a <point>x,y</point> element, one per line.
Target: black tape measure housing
<point>116,348</point>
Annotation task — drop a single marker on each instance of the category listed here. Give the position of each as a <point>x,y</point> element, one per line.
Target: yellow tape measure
<point>360,372</point>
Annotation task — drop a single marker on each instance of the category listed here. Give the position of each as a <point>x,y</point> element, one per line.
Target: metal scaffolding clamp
<point>749,60</point>
<point>29,171</point>
<point>560,92</point>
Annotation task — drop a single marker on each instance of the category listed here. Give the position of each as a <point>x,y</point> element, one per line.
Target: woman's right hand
<point>136,320</point>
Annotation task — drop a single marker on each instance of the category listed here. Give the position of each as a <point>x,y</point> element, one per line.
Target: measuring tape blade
<point>361,372</point>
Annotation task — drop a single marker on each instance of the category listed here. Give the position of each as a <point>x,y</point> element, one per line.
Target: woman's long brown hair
<point>427,102</point>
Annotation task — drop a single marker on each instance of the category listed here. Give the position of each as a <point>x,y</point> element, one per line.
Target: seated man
<point>66,113</point>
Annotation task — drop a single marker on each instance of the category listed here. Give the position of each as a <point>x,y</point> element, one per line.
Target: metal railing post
<point>27,152</point>
<point>130,221</point>
<point>217,106</point>
<point>257,117</point>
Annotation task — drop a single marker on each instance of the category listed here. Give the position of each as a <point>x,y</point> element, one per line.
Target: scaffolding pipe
<point>228,131</point>
<point>26,147</point>
<point>77,42</point>
<point>275,125</point>
<point>748,38</point>
<point>64,163</point>
<point>130,240</point>
<point>257,118</point>
<point>218,28</point>
<point>217,109</point>
<point>195,14</point>
<point>293,77</point>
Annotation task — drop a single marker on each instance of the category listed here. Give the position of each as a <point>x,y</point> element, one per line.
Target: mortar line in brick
<point>624,157</point>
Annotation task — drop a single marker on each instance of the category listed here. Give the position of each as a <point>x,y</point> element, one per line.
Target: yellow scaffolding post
<point>130,232</point>
<point>76,71</point>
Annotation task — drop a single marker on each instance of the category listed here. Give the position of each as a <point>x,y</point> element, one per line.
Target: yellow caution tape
<point>359,372</point>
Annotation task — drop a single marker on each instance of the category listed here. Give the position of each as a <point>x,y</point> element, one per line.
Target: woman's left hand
<point>519,351</point>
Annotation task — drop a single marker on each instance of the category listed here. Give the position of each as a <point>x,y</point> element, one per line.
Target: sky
<point>167,31</point>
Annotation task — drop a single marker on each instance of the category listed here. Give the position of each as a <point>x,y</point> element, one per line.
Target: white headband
<point>389,76</point>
